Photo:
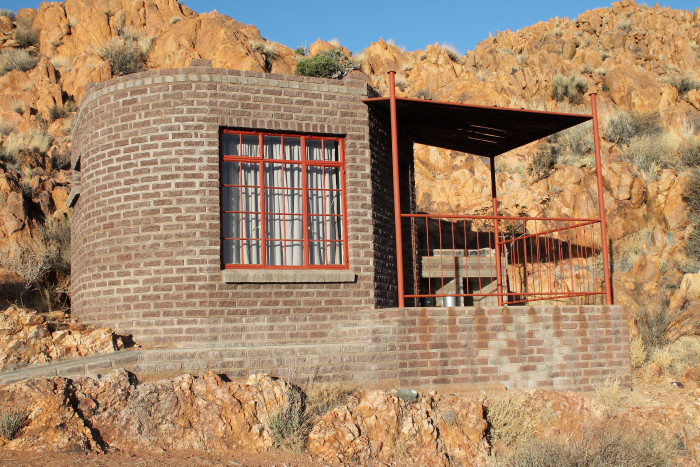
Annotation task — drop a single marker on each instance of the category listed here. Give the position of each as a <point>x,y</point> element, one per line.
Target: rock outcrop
<point>27,338</point>
<point>210,414</point>
<point>433,430</point>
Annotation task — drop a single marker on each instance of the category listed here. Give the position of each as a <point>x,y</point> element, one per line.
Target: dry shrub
<point>638,354</point>
<point>677,356</point>
<point>609,443</point>
<point>16,59</point>
<point>571,88</point>
<point>543,161</point>
<point>124,56</point>
<point>609,392</point>
<point>44,263</point>
<point>684,84</point>
<point>11,422</point>
<point>509,423</point>
<point>631,249</point>
<point>451,52</point>
<point>621,127</point>
<point>652,322</point>
<point>690,154</point>
<point>653,152</point>
<point>25,34</point>
<point>290,427</point>
<point>36,141</point>
<point>324,397</point>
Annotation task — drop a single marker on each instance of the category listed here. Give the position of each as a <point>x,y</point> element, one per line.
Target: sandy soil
<point>160,459</point>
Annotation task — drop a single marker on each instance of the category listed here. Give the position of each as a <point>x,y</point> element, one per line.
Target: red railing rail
<point>461,260</point>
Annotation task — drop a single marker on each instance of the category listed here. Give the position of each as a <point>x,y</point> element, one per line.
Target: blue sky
<point>410,23</point>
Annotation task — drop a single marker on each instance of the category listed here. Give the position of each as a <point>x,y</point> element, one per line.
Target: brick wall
<point>146,231</point>
<point>565,348</point>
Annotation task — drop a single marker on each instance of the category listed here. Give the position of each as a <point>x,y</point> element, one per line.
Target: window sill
<point>241,276</point>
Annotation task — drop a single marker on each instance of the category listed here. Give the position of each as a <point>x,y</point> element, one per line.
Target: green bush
<point>124,57</point>
<point>16,59</point>
<point>327,64</point>
<point>25,34</point>
<point>571,88</point>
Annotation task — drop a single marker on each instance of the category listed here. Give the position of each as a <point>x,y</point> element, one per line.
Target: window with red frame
<point>282,201</point>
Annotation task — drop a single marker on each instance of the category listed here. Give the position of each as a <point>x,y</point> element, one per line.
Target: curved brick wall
<point>146,225</point>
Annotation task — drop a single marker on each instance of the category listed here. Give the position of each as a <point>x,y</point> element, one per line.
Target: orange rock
<point>26,339</point>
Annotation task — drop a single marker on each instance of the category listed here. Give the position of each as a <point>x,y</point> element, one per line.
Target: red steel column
<point>601,204</point>
<point>397,188</point>
<point>499,279</point>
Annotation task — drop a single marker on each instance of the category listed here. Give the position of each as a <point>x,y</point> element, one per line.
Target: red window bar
<point>283,201</point>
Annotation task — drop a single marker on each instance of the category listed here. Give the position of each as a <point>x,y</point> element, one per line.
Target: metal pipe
<point>601,203</point>
<point>397,188</point>
<point>494,199</point>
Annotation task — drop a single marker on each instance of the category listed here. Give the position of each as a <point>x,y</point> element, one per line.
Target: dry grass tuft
<point>324,397</point>
<point>609,393</point>
<point>638,354</point>
<point>11,422</point>
<point>290,427</point>
<point>508,419</point>
<point>610,443</point>
<point>677,356</point>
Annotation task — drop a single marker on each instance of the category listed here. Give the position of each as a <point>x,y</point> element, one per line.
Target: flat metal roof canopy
<point>473,129</point>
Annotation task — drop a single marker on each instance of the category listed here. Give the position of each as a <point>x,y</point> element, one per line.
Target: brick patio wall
<point>565,348</point>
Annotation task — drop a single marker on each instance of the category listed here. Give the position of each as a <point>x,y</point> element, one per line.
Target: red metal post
<point>397,188</point>
<point>499,279</point>
<point>601,204</point>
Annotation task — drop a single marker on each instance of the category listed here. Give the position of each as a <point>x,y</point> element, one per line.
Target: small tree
<point>327,64</point>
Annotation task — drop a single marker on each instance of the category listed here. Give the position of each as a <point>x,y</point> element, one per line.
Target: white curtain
<point>283,201</point>
<point>284,224</point>
<point>243,224</point>
<point>324,204</point>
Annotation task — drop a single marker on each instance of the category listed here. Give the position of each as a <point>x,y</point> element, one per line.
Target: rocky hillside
<point>340,426</point>
<point>642,61</point>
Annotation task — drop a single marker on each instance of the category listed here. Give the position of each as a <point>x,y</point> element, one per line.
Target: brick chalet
<point>246,222</point>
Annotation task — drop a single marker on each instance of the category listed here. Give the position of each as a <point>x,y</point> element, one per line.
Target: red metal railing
<point>456,260</point>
